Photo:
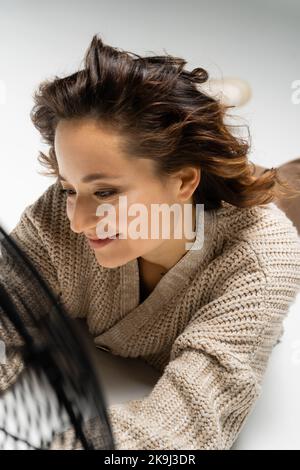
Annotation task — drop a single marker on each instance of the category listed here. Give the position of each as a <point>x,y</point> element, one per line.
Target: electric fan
<point>58,388</point>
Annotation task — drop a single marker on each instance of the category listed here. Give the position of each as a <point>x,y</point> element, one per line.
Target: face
<point>82,148</point>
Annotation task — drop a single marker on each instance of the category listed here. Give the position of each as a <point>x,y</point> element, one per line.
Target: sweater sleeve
<point>30,237</point>
<point>213,378</point>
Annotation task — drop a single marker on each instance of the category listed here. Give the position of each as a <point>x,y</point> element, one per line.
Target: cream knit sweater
<point>209,325</point>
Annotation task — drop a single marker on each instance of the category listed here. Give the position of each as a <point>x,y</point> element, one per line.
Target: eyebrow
<point>92,177</point>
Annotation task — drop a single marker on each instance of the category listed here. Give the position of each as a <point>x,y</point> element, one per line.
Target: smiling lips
<point>97,239</point>
<point>100,242</point>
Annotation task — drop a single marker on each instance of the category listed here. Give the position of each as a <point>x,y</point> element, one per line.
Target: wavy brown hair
<point>157,106</point>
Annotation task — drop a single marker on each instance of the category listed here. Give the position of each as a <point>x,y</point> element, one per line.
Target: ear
<point>187,180</point>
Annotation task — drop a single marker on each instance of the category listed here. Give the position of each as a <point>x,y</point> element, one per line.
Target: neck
<point>168,254</point>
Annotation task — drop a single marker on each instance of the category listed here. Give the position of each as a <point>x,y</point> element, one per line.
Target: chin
<point>110,263</point>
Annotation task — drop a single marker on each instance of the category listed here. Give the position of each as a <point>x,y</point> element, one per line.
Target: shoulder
<point>246,287</point>
<point>48,208</point>
<point>258,220</point>
<point>260,240</point>
<point>266,229</point>
<point>44,223</point>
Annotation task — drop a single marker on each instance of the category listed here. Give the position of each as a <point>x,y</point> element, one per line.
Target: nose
<point>82,217</point>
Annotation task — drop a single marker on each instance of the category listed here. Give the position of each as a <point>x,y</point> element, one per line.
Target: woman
<point>206,310</point>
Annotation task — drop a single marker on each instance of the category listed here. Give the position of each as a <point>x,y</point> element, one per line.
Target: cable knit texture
<point>208,326</point>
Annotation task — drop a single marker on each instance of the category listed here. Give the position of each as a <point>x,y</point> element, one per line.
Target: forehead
<point>86,138</point>
<point>84,146</point>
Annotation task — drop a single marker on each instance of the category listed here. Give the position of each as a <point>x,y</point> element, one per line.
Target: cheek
<point>148,194</point>
<point>143,214</point>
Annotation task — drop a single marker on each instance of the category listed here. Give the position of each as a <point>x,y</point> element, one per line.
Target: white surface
<point>125,379</point>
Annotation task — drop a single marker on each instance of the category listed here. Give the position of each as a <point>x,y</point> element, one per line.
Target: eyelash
<point>112,192</point>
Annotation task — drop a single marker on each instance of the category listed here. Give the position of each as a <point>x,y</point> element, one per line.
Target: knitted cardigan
<point>209,325</point>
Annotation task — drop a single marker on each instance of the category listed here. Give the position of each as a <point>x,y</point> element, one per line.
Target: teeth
<point>110,238</point>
